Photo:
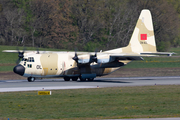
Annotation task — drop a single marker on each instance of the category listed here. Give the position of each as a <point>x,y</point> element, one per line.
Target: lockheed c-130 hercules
<point>87,66</point>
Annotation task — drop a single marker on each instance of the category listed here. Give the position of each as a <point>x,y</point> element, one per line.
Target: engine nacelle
<point>83,61</point>
<point>103,61</point>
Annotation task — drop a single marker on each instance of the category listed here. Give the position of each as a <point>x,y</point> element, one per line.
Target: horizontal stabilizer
<point>129,56</point>
<point>159,53</point>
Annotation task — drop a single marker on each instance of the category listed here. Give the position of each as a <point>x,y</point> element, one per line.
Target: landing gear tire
<point>66,78</point>
<point>74,78</point>
<point>90,79</point>
<point>31,79</point>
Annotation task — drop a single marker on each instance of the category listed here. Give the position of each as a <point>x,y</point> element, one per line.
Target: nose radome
<point>19,69</point>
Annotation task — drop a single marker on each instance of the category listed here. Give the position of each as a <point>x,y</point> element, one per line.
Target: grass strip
<point>100,103</point>
<point>6,68</point>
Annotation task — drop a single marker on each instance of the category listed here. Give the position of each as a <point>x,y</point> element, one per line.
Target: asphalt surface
<point>53,84</point>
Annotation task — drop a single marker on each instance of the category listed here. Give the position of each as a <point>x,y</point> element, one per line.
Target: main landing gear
<point>31,79</point>
<point>76,78</point>
<point>68,78</point>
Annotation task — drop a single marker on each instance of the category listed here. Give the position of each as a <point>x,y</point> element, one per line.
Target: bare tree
<point>122,23</point>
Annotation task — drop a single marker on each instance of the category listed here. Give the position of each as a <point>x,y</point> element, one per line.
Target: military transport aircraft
<point>87,66</point>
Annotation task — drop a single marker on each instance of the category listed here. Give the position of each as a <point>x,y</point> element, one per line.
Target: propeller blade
<point>20,54</point>
<point>24,49</point>
<point>93,58</point>
<point>75,56</point>
<point>37,50</point>
<point>17,61</point>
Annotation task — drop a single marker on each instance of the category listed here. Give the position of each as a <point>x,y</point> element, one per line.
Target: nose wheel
<point>31,79</point>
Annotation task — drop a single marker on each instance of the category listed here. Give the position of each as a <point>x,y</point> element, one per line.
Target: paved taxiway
<point>51,84</point>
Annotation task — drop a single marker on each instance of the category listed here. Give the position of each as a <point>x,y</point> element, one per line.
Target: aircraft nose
<point>19,69</point>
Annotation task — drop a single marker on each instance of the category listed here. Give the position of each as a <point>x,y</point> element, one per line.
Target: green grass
<point>6,68</point>
<point>124,102</point>
<point>175,50</point>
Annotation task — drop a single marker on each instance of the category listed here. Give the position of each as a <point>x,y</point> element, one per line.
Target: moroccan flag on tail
<point>143,36</point>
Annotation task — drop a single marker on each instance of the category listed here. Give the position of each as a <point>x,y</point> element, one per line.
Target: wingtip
<point>170,54</point>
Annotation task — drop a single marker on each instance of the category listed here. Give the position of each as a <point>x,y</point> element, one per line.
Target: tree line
<point>85,24</point>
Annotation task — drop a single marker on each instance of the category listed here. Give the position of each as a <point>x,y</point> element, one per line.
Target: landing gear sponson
<point>76,78</point>
<point>32,79</point>
<point>83,77</point>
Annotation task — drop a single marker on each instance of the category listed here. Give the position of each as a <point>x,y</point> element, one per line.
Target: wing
<point>114,57</point>
<point>107,57</point>
<point>44,52</point>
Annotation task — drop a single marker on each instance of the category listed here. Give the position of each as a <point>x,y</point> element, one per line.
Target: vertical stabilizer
<point>143,39</point>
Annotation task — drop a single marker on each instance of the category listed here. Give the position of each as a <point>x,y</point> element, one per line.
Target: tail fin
<point>143,39</point>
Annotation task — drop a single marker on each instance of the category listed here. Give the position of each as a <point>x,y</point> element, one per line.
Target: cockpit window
<point>30,59</point>
<point>24,59</point>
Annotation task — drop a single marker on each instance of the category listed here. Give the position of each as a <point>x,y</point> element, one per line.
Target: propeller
<point>75,57</point>
<point>37,49</point>
<point>21,55</point>
<point>93,58</point>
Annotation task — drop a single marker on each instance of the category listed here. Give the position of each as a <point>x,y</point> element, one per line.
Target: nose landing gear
<point>31,79</point>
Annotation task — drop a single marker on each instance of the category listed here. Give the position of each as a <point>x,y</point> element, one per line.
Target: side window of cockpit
<point>24,59</point>
<point>24,63</point>
<point>29,65</point>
